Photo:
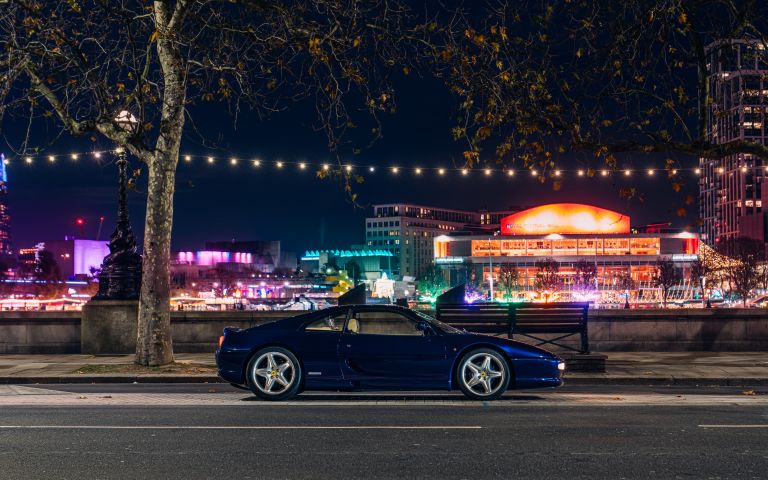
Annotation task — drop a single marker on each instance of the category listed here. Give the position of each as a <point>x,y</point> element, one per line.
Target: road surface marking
<point>734,426</point>
<point>256,427</point>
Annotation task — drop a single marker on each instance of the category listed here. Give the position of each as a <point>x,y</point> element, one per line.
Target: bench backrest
<point>481,317</point>
<point>549,317</point>
<point>523,318</point>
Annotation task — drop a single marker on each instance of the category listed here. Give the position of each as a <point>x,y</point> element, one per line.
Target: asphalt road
<point>420,438</point>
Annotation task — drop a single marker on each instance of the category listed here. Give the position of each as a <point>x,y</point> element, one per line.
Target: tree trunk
<point>153,344</point>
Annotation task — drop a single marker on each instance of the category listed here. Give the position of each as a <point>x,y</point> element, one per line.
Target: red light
<point>221,340</point>
<point>101,219</point>
<point>79,221</point>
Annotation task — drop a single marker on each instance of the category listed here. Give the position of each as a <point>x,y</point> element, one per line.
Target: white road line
<point>255,427</point>
<point>735,426</point>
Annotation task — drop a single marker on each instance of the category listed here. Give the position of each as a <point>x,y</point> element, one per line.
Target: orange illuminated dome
<point>564,218</point>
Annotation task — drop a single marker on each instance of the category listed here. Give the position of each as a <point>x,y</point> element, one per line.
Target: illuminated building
<point>567,233</point>
<point>76,258</point>
<point>372,264</point>
<point>232,266</point>
<point>6,249</point>
<point>731,196</point>
<point>408,231</point>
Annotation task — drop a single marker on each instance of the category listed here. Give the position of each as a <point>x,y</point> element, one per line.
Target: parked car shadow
<point>381,397</point>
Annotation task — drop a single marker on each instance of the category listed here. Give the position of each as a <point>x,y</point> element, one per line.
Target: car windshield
<point>445,328</point>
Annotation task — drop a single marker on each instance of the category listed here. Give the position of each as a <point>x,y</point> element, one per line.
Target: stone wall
<point>609,330</point>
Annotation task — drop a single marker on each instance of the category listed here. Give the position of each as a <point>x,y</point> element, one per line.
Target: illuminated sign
<point>565,218</point>
<point>449,259</point>
<point>684,257</point>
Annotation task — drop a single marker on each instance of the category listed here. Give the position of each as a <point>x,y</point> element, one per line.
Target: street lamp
<point>120,276</point>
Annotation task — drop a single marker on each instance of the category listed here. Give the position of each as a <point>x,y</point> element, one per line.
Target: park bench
<point>530,320</point>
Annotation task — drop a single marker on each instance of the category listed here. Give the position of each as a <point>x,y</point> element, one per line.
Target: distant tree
<point>698,274</point>
<point>547,278</point>
<point>432,282</point>
<point>226,279</point>
<point>47,275</point>
<point>586,273</point>
<point>665,277</point>
<point>353,271</point>
<point>743,270</point>
<point>509,279</point>
<point>625,282</point>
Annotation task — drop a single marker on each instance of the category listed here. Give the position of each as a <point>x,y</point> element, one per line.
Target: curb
<point>662,381</point>
<point>69,379</point>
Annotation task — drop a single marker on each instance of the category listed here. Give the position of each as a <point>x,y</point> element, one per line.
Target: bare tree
<point>76,65</point>
<point>743,269</point>
<point>509,279</point>
<point>586,273</point>
<point>666,276</point>
<point>547,278</point>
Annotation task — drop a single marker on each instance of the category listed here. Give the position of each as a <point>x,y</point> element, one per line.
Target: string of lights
<point>394,170</point>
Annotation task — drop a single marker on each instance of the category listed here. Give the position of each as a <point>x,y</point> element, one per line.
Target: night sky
<point>221,202</point>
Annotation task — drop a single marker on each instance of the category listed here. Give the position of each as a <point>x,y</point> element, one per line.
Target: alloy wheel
<point>483,374</point>
<point>273,373</point>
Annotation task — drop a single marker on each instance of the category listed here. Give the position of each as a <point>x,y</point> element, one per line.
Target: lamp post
<point>120,276</point>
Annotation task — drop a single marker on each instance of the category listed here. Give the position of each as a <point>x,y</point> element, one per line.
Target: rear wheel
<point>274,373</point>
<point>483,374</point>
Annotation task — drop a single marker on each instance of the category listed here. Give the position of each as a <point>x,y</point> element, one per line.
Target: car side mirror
<point>425,327</point>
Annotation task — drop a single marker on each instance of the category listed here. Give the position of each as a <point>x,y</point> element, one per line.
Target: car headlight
<point>561,366</point>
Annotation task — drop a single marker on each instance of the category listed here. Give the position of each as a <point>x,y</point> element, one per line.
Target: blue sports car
<point>378,347</point>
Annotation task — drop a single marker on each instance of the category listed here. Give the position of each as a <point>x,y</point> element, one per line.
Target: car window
<point>328,323</point>
<point>385,323</point>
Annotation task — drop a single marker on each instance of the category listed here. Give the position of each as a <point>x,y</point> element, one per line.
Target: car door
<point>319,349</point>
<point>384,349</point>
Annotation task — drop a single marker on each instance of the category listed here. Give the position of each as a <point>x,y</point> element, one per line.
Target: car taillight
<point>221,340</point>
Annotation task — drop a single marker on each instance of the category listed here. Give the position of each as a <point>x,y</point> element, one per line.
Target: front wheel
<point>274,373</point>
<point>483,374</point>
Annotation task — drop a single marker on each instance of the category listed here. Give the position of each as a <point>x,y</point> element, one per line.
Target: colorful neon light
<point>564,218</point>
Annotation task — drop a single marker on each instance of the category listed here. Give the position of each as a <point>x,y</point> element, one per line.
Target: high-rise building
<point>6,249</point>
<point>731,195</point>
<point>408,231</point>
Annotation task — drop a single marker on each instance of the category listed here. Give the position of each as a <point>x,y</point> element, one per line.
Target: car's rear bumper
<point>231,365</point>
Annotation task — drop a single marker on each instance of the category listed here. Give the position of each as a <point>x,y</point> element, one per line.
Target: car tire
<point>274,373</point>
<point>483,374</point>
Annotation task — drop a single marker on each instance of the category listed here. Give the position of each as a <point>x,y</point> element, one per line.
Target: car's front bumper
<point>538,373</point>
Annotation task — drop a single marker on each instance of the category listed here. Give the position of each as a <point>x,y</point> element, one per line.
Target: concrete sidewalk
<point>624,368</point>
